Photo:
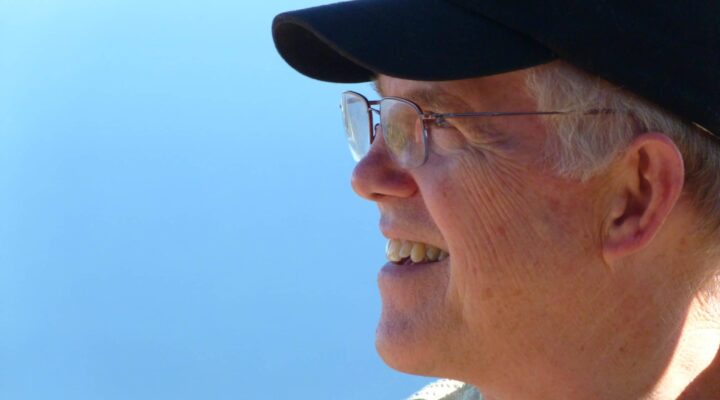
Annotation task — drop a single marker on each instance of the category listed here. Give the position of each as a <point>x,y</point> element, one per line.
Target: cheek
<point>477,204</point>
<point>501,221</point>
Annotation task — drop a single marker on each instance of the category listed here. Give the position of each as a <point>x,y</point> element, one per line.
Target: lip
<point>390,269</point>
<point>406,223</point>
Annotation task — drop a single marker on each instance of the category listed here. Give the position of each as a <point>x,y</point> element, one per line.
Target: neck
<point>705,384</point>
<point>682,363</point>
<point>694,366</point>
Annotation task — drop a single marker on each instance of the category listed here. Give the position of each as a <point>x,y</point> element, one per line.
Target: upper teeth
<point>398,249</point>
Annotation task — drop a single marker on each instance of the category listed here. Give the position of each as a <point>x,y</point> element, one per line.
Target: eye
<point>440,121</point>
<point>446,137</point>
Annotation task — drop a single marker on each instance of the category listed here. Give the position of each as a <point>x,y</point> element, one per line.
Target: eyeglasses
<point>404,126</point>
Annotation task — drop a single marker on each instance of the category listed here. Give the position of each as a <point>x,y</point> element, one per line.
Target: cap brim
<point>412,39</point>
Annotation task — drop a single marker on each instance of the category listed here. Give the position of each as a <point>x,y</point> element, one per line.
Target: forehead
<point>423,93</point>
<point>502,92</point>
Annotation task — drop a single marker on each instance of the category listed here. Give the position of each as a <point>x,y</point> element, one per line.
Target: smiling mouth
<point>407,252</point>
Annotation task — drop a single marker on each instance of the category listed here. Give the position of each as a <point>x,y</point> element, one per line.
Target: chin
<point>412,343</point>
<point>403,353</point>
<point>416,325</point>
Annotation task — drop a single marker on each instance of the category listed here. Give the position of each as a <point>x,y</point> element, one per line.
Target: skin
<point>554,288</point>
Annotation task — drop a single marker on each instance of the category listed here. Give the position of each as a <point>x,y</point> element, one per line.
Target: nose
<point>377,176</point>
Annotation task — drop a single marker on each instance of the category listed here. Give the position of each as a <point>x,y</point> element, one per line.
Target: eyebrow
<point>441,101</point>
<point>434,98</point>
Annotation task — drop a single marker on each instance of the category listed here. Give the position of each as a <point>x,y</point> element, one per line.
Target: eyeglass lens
<point>400,124</point>
<point>356,116</point>
<point>402,130</point>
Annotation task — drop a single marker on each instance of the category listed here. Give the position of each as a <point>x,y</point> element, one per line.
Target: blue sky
<point>176,219</point>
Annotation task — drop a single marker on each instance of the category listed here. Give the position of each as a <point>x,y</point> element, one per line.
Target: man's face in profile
<point>518,237</point>
<point>552,231</point>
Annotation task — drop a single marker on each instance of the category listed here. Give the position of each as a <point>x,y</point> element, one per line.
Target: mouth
<point>408,252</point>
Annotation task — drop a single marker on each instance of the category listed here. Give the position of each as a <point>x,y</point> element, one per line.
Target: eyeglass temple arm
<point>515,113</point>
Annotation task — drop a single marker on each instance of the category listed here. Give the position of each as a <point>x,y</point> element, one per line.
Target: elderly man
<point>548,179</point>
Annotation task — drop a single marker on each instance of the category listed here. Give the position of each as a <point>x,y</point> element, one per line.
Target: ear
<point>647,184</point>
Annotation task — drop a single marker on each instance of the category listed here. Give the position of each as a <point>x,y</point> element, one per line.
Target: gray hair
<point>583,146</point>
<point>580,147</point>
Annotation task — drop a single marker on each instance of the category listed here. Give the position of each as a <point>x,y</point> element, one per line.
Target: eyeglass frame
<point>425,117</point>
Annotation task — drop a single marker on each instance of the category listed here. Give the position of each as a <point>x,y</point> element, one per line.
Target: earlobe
<point>647,185</point>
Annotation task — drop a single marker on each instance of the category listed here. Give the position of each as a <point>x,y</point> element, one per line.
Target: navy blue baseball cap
<point>667,52</point>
